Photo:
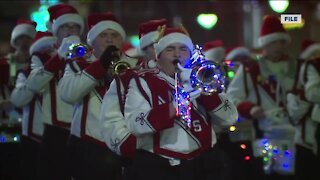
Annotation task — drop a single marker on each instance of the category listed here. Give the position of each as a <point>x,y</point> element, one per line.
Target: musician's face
<point>66,30</point>
<point>167,58</point>
<point>149,52</point>
<point>106,38</point>
<point>276,49</point>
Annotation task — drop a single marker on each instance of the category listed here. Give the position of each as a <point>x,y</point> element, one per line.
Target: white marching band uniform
<point>147,116</point>
<point>21,96</point>
<point>113,126</point>
<point>251,86</point>
<point>55,111</point>
<point>78,88</point>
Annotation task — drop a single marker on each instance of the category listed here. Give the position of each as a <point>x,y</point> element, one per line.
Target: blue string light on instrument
<point>206,75</point>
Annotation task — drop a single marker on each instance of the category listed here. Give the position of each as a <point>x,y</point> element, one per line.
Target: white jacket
<point>78,87</point>
<point>312,89</point>
<point>21,96</point>
<point>55,111</point>
<point>147,117</point>
<point>242,93</point>
<point>113,126</point>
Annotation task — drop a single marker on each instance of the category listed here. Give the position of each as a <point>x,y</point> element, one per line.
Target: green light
<point>279,6</point>
<point>41,16</point>
<point>230,74</point>
<point>207,21</point>
<point>134,40</point>
<point>265,159</point>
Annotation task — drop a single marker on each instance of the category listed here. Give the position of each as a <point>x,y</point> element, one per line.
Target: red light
<point>243,146</point>
<point>247,158</point>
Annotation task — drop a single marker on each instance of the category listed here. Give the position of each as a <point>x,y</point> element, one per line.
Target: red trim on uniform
<point>54,107</point>
<point>96,70</point>
<point>129,146</point>
<point>31,118</point>
<point>83,124</point>
<point>244,109</point>
<point>202,137</point>
<point>159,117</point>
<point>125,80</point>
<point>43,56</point>
<point>55,64</point>
<point>253,69</point>
<point>120,97</point>
<point>210,102</point>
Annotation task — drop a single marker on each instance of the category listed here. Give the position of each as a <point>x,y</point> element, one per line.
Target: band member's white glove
<point>185,74</point>
<point>66,43</point>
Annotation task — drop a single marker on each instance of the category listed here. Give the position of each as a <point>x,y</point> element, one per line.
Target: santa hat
<point>130,50</point>
<point>148,31</point>
<point>23,27</point>
<point>99,22</point>
<point>61,14</point>
<point>42,40</point>
<point>214,51</point>
<point>272,30</point>
<point>237,51</point>
<point>170,36</point>
<point>308,48</point>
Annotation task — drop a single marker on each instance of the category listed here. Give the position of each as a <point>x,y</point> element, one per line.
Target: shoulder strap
<point>253,69</point>
<point>123,79</point>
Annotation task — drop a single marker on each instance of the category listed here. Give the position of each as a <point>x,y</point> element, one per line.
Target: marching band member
<point>259,89</point>
<point>83,85</point>
<point>115,132</point>
<point>65,22</point>
<point>165,144</point>
<point>22,97</point>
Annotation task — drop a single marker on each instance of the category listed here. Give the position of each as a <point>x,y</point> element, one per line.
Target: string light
<point>247,158</point>
<point>182,97</point>
<point>243,146</point>
<point>277,159</point>
<point>206,75</point>
<point>232,128</point>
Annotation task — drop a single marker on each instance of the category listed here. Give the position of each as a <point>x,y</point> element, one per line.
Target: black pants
<point>215,164</point>
<point>54,156</point>
<point>92,162</point>
<point>317,136</point>
<point>29,158</point>
<point>148,166</point>
<point>242,163</point>
<point>9,161</point>
<point>306,165</point>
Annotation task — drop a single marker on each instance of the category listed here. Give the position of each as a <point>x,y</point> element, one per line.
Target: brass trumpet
<point>119,67</point>
<point>206,75</point>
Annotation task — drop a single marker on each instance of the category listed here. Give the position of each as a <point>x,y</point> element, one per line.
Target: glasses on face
<point>70,27</point>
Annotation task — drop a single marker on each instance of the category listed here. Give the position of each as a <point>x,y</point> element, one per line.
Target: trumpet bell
<point>208,76</point>
<point>120,67</point>
<point>78,50</point>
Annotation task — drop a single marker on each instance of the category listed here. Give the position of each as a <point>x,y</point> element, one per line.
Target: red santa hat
<point>148,31</point>
<point>61,14</point>
<point>237,51</point>
<point>308,48</point>
<point>170,36</point>
<point>214,51</point>
<point>23,27</point>
<point>42,40</point>
<point>272,30</point>
<point>130,50</point>
<point>98,22</point>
